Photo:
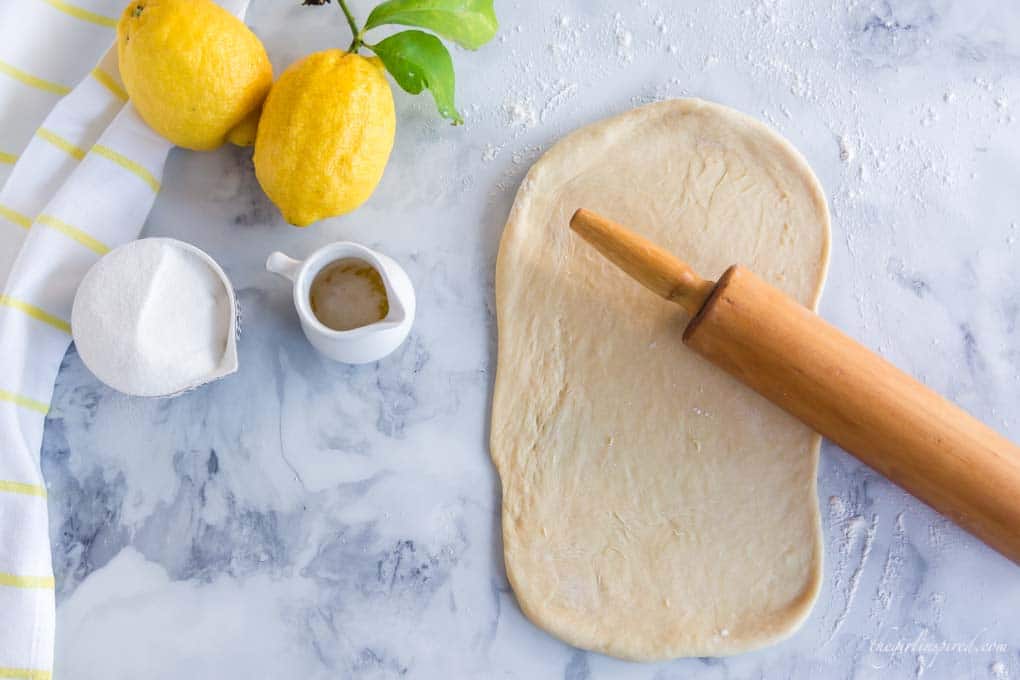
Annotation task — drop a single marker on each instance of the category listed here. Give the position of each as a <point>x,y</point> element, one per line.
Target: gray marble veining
<point>305,519</point>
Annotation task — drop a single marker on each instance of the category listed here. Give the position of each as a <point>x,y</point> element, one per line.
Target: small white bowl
<point>104,328</point>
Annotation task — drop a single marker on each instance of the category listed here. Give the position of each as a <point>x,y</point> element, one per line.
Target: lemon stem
<point>355,31</point>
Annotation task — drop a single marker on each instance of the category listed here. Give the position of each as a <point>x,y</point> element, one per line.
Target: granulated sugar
<point>154,318</point>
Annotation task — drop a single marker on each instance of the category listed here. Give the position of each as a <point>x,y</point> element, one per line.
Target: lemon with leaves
<point>327,127</point>
<point>325,135</point>
<point>193,70</point>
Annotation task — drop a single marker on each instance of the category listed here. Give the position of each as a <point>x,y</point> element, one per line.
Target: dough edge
<point>550,619</point>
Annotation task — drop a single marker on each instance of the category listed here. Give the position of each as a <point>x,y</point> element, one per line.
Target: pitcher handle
<point>283,265</point>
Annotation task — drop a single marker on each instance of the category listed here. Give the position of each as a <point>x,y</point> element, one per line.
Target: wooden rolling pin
<point>788,354</point>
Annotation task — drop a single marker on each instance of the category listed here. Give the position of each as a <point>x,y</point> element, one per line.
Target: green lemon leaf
<point>469,23</point>
<point>419,60</point>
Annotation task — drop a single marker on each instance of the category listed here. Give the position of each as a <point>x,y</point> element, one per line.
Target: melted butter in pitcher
<point>349,293</point>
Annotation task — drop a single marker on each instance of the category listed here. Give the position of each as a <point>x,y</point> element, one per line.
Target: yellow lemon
<point>325,135</point>
<point>193,70</point>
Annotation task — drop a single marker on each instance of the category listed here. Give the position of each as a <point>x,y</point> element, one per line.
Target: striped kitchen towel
<point>79,172</point>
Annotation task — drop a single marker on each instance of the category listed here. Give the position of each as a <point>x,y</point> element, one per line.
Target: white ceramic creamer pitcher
<point>359,345</point>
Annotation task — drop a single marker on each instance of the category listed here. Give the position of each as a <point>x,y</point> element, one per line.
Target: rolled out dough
<point>653,507</point>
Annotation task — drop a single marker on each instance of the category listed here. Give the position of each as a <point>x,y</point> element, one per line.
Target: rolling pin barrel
<point>864,404</point>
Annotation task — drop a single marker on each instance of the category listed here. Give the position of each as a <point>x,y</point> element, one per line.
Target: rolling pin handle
<point>656,269</point>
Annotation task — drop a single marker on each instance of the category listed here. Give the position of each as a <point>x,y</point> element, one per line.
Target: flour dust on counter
<point>653,507</point>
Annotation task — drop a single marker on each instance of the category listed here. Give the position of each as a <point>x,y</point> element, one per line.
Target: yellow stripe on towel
<point>110,83</point>
<point>16,217</point>
<point>82,13</point>
<point>18,581</point>
<point>93,244</point>
<point>20,487</point>
<point>64,145</point>
<point>23,401</point>
<point>8,158</point>
<point>24,674</point>
<point>36,313</point>
<point>32,81</point>
<point>128,164</point>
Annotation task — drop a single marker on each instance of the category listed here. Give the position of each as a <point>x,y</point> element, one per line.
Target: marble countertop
<point>306,519</point>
